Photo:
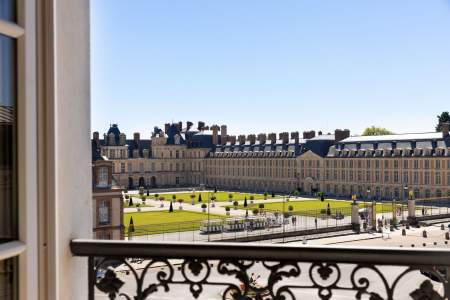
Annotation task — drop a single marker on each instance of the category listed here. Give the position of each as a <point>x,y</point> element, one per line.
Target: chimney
<point>200,125</point>
<point>223,134</point>
<point>96,138</point>
<point>320,133</point>
<point>136,138</point>
<point>309,134</point>
<point>241,139</point>
<point>232,139</point>
<point>180,126</point>
<point>295,136</point>
<point>206,128</point>
<point>123,139</point>
<point>284,136</point>
<point>272,137</point>
<point>166,128</point>
<point>262,137</point>
<point>251,138</point>
<point>215,136</point>
<point>340,135</point>
<point>445,129</point>
<point>189,125</point>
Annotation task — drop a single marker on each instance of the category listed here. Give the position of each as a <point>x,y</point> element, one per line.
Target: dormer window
<point>102,177</point>
<point>177,139</point>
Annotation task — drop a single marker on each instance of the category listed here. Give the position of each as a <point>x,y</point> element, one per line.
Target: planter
<point>213,204</point>
<point>251,201</point>
<point>181,207</point>
<point>204,210</point>
<point>228,213</point>
<point>138,209</point>
<point>193,202</point>
<point>161,205</point>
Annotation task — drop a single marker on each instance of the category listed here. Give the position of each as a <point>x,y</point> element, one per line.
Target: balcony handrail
<point>301,253</point>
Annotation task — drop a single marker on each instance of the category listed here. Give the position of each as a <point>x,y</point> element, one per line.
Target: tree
<point>200,197</point>
<point>170,207</point>
<point>131,225</point>
<point>328,209</point>
<point>273,194</point>
<point>235,204</point>
<point>376,131</point>
<point>215,190</point>
<point>245,202</point>
<point>148,193</point>
<point>131,201</point>
<point>255,211</point>
<point>230,196</point>
<point>174,197</point>
<point>443,118</point>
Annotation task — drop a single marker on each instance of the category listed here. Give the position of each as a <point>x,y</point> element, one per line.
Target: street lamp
<point>405,197</point>
<point>209,228</point>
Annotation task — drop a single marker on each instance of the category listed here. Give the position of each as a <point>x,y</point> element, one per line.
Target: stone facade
<point>107,204</point>
<point>378,167</point>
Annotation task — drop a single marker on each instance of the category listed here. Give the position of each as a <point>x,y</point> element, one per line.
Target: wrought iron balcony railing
<point>143,270</point>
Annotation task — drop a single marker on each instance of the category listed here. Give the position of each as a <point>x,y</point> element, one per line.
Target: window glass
<point>103,213</point>
<point>7,10</point>
<point>8,200</point>
<point>8,280</point>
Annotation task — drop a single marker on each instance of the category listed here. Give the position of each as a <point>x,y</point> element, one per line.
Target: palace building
<point>380,167</point>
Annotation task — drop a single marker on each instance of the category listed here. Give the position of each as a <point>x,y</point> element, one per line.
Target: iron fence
<point>140,270</point>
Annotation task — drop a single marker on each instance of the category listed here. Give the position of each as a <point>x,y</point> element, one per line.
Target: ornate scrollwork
<point>326,278</point>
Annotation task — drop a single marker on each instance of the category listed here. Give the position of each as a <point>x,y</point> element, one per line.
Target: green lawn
<point>163,221</point>
<point>313,207</point>
<point>220,196</point>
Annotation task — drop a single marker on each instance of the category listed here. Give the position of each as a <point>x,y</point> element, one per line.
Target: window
<point>103,213</point>
<point>405,164</point>
<point>416,164</point>
<point>427,164</point>
<point>141,167</point>
<point>437,178</point>
<point>130,168</point>
<point>102,177</point>
<point>416,177</point>
<point>427,178</point>
<point>122,167</point>
<point>8,151</point>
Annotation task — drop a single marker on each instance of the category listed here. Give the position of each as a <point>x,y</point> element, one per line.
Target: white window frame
<point>52,91</point>
<point>26,246</point>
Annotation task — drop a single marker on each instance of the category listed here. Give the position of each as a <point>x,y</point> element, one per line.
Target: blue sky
<point>270,66</point>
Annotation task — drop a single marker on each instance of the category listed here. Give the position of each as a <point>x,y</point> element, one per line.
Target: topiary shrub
<point>290,208</point>
<point>255,211</point>
<point>261,205</point>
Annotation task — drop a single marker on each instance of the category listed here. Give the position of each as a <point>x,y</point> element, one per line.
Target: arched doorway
<point>153,182</point>
<point>130,183</point>
<point>309,186</point>
<point>141,182</point>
